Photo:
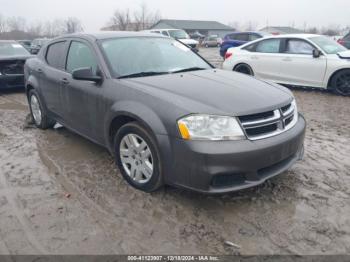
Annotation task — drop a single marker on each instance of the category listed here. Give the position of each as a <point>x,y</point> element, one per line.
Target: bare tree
<point>54,28</point>
<point>312,30</point>
<point>72,25</point>
<point>120,20</point>
<point>36,29</point>
<point>331,30</point>
<point>250,26</point>
<point>3,24</point>
<point>144,19</point>
<point>16,24</point>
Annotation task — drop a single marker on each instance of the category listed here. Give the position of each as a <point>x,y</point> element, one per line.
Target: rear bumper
<point>221,167</point>
<point>11,81</point>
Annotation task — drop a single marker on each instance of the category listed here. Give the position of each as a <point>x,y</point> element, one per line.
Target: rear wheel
<point>39,115</point>
<point>340,83</point>
<point>138,158</point>
<point>244,69</point>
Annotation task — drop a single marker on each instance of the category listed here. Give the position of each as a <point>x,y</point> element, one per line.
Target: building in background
<point>280,30</point>
<point>206,28</point>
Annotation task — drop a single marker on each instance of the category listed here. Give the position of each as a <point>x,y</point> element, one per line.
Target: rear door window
<point>300,47</point>
<point>56,54</point>
<point>253,37</point>
<point>242,37</point>
<point>269,46</point>
<point>80,55</point>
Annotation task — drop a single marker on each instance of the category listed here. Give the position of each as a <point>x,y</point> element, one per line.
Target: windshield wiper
<point>188,70</point>
<point>141,74</point>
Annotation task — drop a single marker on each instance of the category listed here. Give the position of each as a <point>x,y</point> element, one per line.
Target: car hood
<point>189,41</point>
<point>344,54</point>
<point>9,58</point>
<point>226,92</point>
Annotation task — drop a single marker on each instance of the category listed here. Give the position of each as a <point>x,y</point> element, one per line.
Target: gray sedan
<point>166,114</point>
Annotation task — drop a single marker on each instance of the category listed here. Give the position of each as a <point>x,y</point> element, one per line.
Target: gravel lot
<point>61,194</point>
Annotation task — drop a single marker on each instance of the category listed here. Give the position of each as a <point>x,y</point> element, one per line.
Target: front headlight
<point>209,127</point>
<point>296,113</point>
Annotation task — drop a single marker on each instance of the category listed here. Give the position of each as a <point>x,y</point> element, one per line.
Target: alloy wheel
<point>136,158</point>
<point>36,111</point>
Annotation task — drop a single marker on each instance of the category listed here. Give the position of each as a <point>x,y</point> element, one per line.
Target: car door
<point>51,71</point>
<point>265,59</point>
<point>81,98</point>
<point>299,67</point>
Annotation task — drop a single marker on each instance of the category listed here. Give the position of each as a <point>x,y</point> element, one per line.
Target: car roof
<point>8,41</point>
<point>247,32</point>
<point>111,34</point>
<point>303,36</point>
<point>165,29</point>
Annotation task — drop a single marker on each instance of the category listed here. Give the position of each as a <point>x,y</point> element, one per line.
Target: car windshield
<point>179,34</point>
<point>328,45</point>
<point>12,49</point>
<point>149,55</point>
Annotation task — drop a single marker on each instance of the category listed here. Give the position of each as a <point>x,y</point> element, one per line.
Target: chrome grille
<point>271,123</point>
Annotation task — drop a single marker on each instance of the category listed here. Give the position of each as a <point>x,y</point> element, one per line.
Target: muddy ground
<point>61,194</point>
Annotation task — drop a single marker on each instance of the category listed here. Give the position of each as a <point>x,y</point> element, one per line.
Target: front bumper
<point>11,81</point>
<point>227,166</point>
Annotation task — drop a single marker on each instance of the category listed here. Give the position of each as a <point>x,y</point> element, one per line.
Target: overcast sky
<point>94,14</point>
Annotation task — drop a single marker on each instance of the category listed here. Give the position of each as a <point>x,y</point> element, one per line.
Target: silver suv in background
<point>177,34</point>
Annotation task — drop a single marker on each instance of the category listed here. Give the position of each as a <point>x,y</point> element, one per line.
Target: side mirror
<point>316,53</point>
<point>86,74</point>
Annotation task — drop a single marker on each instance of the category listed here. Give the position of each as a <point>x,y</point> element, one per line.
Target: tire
<point>340,83</point>
<point>244,69</point>
<point>135,152</point>
<point>38,112</point>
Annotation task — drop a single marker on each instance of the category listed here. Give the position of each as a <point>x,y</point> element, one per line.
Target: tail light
<point>341,41</point>
<point>228,55</point>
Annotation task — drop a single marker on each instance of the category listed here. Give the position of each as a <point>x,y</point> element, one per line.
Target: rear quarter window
<point>55,55</point>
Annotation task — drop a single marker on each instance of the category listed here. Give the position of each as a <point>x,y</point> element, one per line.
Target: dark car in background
<point>166,114</point>
<point>37,44</point>
<point>345,41</point>
<point>25,43</point>
<point>12,58</point>
<point>238,39</point>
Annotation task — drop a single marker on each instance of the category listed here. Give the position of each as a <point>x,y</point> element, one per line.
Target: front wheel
<point>341,83</point>
<point>38,113</point>
<point>138,158</point>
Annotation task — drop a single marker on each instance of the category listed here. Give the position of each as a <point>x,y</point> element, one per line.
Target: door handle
<point>287,59</point>
<point>65,81</point>
<point>39,70</point>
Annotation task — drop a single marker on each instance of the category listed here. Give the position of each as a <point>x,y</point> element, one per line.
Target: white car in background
<point>296,60</point>
<point>177,34</point>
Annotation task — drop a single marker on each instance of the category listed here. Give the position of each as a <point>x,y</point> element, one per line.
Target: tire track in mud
<point>11,197</point>
<point>10,193</point>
